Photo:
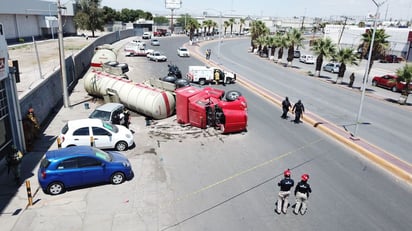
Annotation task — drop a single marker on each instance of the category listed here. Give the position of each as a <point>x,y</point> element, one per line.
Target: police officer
<point>285,107</point>
<point>302,191</point>
<point>285,185</point>
<point>298,109</point>
<point>13,160</point>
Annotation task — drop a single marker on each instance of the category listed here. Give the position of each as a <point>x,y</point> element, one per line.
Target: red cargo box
<point>199,105</point>
<point>182,103</point>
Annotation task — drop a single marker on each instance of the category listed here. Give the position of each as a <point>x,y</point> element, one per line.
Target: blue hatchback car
<point>80,166</point>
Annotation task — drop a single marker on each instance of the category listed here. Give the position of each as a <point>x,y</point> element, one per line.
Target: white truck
<point>136,48</point>
<point>204,75</point>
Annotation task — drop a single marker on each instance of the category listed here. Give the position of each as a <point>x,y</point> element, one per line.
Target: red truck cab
<point>208,107</point>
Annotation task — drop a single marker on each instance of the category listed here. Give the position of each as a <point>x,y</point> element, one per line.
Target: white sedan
<point>96,132</point>
<point>156,56</point>
<point>183,52</point>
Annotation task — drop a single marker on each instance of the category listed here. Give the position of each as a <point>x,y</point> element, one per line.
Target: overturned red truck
<point>211,107</point>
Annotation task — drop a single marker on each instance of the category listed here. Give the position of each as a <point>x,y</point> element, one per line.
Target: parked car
<point>146,35</point>
<point>391,59</point>
<point>155,42</point>
<point>156,56</point>
<point>390,82</point>
<point>81,166</point>
<point>296,54</point>
<point>109,112</point>
<point>332,67</point>
<point>103,134</point>
<point>308,59</point>
<point>183,52</point>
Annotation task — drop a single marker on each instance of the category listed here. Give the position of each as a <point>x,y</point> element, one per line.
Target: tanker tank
<point>144,99</point>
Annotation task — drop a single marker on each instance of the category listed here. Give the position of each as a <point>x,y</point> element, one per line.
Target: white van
<point>308,59</point>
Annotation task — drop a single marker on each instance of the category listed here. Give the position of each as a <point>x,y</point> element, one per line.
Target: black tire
<point>182,83</point>
<point>117,178</point>
<point>374,83</point>
<point>55,188</point>
<point>232,95</point>
<point>202,81</point>
<point>121,146</point>
<point>169,78</point>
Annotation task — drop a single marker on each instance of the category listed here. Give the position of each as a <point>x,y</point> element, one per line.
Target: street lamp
<point>365,77</point>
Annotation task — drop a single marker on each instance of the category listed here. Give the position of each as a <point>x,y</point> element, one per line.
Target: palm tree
<point>231,23</point>
<point>226,24</point>
<point>241,24</point>
<point>323,48</point>
<point>283,44</point>
<point>295,38</point>
<point>214,25</point>
<point>380,45</point>
<point>257,28</point>
<point>345,56</point>
<point>207,24</point>
<point>405,74</point>
<point>192,25</point>
<point>260,43</point>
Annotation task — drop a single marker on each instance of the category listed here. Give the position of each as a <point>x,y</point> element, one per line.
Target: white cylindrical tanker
<point>144,99</point>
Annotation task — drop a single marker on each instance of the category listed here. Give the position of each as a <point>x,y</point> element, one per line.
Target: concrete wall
<point>47,97</point>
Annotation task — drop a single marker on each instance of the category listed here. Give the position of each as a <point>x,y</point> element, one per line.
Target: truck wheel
<point>202,81</point>
<point>232,95</point>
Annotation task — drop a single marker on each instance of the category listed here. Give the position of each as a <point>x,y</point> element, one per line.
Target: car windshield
<point>102,154</point>
<point>103,115</point>
<point>111,127</point>
<point>183,49</point>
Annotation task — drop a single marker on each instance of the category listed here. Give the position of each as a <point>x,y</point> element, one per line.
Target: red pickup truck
<point>160,32</point>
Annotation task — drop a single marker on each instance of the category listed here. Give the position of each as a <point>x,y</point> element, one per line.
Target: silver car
<point>332,67</point>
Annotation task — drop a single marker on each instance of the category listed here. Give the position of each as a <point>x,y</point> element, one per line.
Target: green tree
<point>283,44</point>
<point>323,48</point>
<point>89,16</point>
<point>241,24</point>
<point>231,23</point>
<point>110,15</point>
<point>257,29</point>
<point>380,45</point>
<point>295,38</point>
<point>345,56</point>
<point>191,25</point>
<point>226,24</point>
<point>160,20</point>
<point>207,24</point>
<point>405,74</point>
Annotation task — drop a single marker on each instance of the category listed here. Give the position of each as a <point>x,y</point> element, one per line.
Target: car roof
<point>110,107</point>
<point>69,152</point>
<point>82,122</point>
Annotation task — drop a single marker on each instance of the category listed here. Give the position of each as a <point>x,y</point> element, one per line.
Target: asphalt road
<point>207,181</point>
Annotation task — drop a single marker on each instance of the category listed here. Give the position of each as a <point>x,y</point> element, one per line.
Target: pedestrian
<point>302,191</point>
<point>298,109</point>
<point>285,185</point>
<point>125,118</point>
<point>285,107</point>
<point>351,79</point>
<point>34,121</point>
<point>13,160</point>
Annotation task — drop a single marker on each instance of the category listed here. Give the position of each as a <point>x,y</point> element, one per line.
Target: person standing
<point>13,160</point>
<point>298,109</point>
<point>285,185</point>
<point>285,107</point>
<point>302,191</point>
<point>351,79</point>
<point>126,118</point>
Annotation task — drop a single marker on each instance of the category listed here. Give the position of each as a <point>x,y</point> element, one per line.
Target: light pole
<point>62,58</point>
<point>365,77</point>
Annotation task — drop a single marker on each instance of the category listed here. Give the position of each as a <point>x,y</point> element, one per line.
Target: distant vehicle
<point>103,134</point>
<point>391,59</point>
<point>146,35</point>
<point>183,52</point>
<point>332,67</point>
<point>390,82</point>
<point>156,56</point>
<point>109,112</point>
<point>136,48</point>
<point>81,166</point>
<point>204,74</point>
<point>155,42</point>
<point>308,59</point>
<point>296,54</point>
<point>160,32</point>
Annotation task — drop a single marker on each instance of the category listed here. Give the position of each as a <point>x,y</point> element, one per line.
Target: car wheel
<point>55,188</point>
<point>121,146</point>
<point>232,95</point>
<point>202,82</point>
<point>117,178</point>
<point>374,83</point>
<point>394,89</point>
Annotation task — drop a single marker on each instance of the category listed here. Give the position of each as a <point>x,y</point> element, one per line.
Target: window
<point>67,164</point>
<point>99,131</point>
<point>82,132</point>
<point>88,162</point>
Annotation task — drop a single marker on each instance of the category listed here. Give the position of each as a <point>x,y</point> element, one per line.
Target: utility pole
<point>62,57</point>
<point>343,28</point>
